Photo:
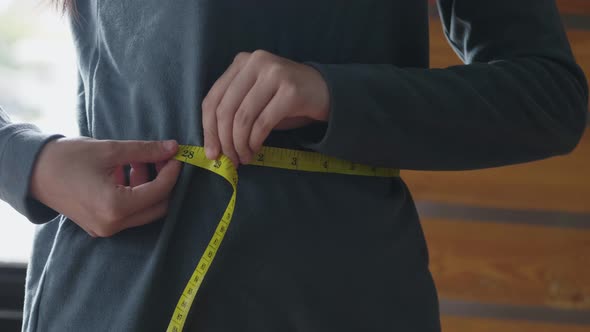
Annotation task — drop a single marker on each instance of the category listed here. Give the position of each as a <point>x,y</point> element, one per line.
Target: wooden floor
<point>514,239</point>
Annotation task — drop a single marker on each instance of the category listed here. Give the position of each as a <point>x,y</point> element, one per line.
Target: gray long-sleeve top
<point>305,251</point>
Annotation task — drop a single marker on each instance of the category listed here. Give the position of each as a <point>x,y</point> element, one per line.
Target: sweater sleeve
<point>519,97</point>
<point>19,147</point>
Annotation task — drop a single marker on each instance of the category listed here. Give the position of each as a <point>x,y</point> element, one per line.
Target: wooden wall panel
<point>559,183</point>
<point>577,7</point>
<point>441,54</point>
<point>580,42</point>
<point>510,264</point>
<point>468,324</point>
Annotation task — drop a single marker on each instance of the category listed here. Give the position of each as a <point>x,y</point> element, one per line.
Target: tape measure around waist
<point>268,157</point>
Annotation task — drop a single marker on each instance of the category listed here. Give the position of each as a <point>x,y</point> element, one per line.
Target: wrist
<point>319,95</point>
<point>41,170</point>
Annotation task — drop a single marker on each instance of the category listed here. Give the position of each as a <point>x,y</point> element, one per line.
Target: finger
<point>146,216</point>
<point>143,217</point>
<point>160,165</point>
<point>125,152</point>
<point>209,107</point>
<point>130,200</point>
<point>226,111</point>
<point>139,174</point>
<point>253,104</point>
<point>119,175</point>
<point>272,114</point>
<point>224,126</point>
<point>210,135</point>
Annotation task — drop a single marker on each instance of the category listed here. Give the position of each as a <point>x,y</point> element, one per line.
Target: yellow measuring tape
<point>269,157</point>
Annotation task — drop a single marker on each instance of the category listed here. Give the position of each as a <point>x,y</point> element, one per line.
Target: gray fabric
<point>305,252</point>
<point>19,145</point>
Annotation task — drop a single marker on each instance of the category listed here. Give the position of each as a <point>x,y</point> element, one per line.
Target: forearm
<point>520,96</point>
<point>471,116</point>
<point>19,147</point>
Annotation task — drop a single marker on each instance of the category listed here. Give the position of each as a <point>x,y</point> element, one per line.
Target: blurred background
<point>38,85</point>
<point>509,247</point>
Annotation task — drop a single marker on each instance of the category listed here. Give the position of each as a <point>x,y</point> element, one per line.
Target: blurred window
<point>37,85</point>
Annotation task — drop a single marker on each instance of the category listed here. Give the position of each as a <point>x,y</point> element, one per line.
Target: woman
<point>305,251</point>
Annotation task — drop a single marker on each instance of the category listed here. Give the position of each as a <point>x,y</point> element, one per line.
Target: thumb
<point>125,152</point>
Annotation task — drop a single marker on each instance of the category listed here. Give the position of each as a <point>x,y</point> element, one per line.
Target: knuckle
<point>255,143</point>
<point>242,148</point>
<point>224,115</point>
<point>259,134</point>
<point>104,232</point>
<point>241,57</point>
<point>289,90</point>
<point>261,56</point>
<point>275,71</point>
<point>241,153</point>
<point>289,85</point>
<point>227,147</point>
<point>210,131</point>
<point>262,124</point>
<point>220,112</point>
<point>207,104</point>
<point>243,117</point>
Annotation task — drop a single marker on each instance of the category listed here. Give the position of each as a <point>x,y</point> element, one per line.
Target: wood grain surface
<point>510,264</point>
<point>496,262</point>
<point>578,7</point>
<point>580,42</point>
<point>469,324</point>
<point>559,183</point>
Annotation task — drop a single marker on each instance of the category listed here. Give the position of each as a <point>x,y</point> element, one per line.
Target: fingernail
<point>170,145</point>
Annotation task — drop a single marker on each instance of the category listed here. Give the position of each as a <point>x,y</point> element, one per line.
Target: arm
<point>520,97</point>
<point>41,175</point>
<point>19,146</point>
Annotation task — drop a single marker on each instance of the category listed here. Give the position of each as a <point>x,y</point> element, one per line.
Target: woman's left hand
<point>260,92</point>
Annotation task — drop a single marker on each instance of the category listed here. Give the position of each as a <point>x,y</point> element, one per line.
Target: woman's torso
<point>305,251</point>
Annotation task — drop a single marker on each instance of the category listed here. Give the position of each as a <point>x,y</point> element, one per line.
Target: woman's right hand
<point>84,179</point>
